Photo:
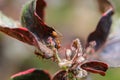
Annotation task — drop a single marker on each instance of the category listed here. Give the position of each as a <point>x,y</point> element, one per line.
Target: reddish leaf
<point>21,34</point>
<point>32,18</point>
<point>32,74</point>
<point>104,5</point>
<point>102,30</point>
<point>40,5</point>
<point>14,30</point>
<point>95,67</point>
<point>26,36</point>
<point>60,75</point>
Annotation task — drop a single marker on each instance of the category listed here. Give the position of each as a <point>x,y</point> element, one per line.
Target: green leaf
<point>8,22</point>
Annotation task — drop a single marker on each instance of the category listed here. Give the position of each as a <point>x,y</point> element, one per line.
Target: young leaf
<point>104,5</point>
<point>40,5</point>
<point>32,74</point>
<point>5,21</point>
<point>32,18</point>
<point>60,75</point>
<point>102,30</point>
<point>15,30</point>
<point>95,67</point>
<point>21,34</point>
<point>36,30</point>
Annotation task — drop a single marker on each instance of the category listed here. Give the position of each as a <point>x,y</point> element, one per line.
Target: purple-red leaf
<point>32,18</point>
<point>15,30</point>
<point>60,75</point>
<point>40,5</point>
<point>21,34</point>
<point>102,30</point>
<point>32,74</point>
<point>95,67</point>
<point>104,5</point>
<point>26,36</point>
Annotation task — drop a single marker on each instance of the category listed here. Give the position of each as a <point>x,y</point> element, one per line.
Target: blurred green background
<point>73,18</point>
